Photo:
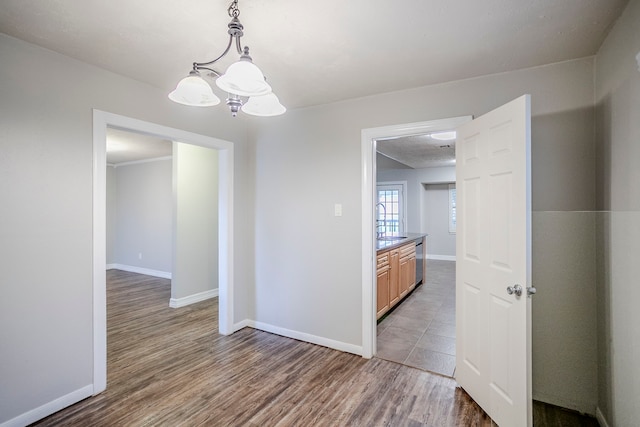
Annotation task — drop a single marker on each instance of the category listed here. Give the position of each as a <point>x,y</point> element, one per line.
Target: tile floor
<point>421,331</point>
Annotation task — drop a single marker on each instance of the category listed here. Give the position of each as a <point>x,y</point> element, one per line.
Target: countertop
<point>385,245</point>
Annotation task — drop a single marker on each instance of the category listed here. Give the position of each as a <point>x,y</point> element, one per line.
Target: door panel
<point>494,252</point>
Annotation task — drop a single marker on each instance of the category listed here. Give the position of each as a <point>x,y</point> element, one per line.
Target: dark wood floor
<point>170,367</point>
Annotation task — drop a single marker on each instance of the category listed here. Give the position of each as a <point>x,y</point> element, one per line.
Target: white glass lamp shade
<point>265,105</point>
<point>244,78</point>
<point>194,91</point>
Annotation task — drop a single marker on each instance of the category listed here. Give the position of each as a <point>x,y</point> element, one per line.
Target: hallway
<point>421,331</point>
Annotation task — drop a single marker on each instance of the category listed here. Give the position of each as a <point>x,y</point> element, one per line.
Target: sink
<point>391,238</point>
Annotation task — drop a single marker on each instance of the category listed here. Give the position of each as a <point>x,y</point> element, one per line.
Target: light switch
<point>337,209</point>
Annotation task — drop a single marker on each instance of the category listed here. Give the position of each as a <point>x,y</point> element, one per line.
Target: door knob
<point>531,290</point>
<point>515,289</point>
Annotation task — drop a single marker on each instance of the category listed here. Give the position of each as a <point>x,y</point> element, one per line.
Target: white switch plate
<point>337,209</point>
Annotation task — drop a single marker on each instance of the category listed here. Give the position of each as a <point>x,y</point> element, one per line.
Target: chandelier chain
<point>233,10</point>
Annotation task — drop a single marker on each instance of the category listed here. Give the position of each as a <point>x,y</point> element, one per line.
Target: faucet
<point>384,218</point>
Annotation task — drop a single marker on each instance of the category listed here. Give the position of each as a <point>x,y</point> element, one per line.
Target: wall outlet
<point>139,255</point>
<point>337,209</point>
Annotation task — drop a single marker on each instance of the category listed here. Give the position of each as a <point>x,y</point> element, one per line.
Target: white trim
<point>246,323</point>
<point>49,408</point>
<point>140,270</point>
<point>452,225</point>
<point>441,257</point>
<point>601,419</point>
<point>368,184</point>
<point>192,299</point>
<point>313,339</point>
<point>137,162</point>
<point>99,252</point>
<point>102,120</point>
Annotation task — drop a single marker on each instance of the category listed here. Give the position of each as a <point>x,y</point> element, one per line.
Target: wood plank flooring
<point>170,367</point>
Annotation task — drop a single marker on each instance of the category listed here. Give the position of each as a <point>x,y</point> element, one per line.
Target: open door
<point>493,263</point>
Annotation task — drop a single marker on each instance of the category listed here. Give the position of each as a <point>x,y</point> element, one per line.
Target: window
<point>390,209</point>
<point>452,208</point>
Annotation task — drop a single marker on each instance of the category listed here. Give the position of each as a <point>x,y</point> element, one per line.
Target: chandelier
<point>244,83</point>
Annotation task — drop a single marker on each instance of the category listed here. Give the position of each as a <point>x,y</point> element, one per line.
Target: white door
<point>493,346</point>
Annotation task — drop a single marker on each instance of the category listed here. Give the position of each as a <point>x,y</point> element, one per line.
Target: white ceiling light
<point>265,105</point>
<point>444,136</point>
<point>194,91</point>
<point>243,79</point>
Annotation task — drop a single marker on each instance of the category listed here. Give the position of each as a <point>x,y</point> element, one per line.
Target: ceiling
<point>318,52</point>
<point>418,151</point>
<point>124,146</point>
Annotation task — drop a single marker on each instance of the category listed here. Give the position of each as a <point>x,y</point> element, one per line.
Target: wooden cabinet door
<point>383,291</point>
<point>407,268</point>
<point>412,273</point>
<point>394,277</point>
<point>404,276</point>
<point>382,283</point>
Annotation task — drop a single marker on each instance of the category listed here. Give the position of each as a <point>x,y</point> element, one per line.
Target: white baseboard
<point>313,339</point>
<point>140,270</point>
<point>49,408</point>
<point>442,257</point>
<point>246,323</point>
<point>192,299</point>
<point>601,419</point>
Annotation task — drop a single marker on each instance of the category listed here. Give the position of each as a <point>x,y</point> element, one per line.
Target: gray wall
<point>296,291</point>
<point>195,212</point>
<point>143,223</point>
<point>46,229</point>
<point>111,215</point>
<point>435,217</point>
<point>422,214</point>
<point>618,220</point>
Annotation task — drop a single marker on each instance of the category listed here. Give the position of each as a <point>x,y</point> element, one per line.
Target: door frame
<point>368,185</point>
<point>102,120</point>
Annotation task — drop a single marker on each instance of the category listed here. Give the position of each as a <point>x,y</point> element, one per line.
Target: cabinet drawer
<point>408,250</point>
<point>382,260</point>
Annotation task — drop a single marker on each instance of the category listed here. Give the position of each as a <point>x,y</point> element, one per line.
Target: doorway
<point>369,149</point>
<point>162,213</point>
<point>101,121</point>
<point>420,331</point>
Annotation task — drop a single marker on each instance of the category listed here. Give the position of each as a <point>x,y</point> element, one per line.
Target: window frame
<point>402,203</point>
<point>452,208</point>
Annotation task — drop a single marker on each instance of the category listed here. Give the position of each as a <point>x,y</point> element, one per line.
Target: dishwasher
<point>419,261</point>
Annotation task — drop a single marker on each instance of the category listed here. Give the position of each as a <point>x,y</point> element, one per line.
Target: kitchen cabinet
<point>407,269</point>
<point>396,276</point>
<point>383,279</point>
